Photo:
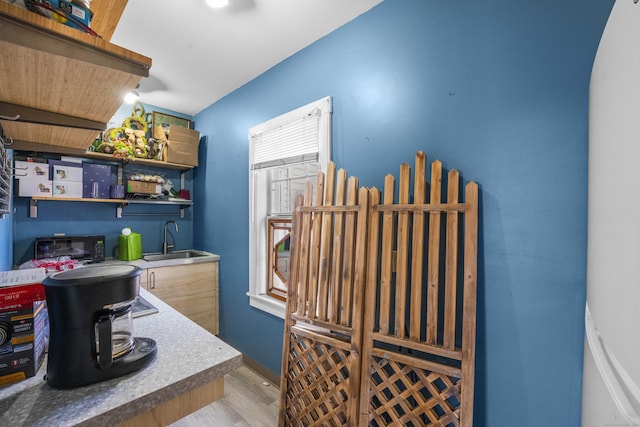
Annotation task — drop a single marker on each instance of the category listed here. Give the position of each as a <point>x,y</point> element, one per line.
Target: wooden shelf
<point>143,162</point>
<point>183,204</point>
<point>76,199</point>
<point>117,201</point>
<point>64,84</point>
<point>157,202</point>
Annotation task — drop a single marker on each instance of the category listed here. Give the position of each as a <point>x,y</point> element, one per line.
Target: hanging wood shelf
<point>183,204</point>
<point>63,84</point>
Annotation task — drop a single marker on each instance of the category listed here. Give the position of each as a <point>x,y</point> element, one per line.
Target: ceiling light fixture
<point>133,96</point>
<point>216,4</point>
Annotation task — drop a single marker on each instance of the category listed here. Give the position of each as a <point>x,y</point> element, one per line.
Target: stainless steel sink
<point>191,253</point>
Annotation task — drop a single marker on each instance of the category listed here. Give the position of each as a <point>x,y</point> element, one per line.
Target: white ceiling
<point>201,54</point>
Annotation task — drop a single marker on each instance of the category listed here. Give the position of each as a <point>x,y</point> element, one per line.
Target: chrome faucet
<point>166,246</point>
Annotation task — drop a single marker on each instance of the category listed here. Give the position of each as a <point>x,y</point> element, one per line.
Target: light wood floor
<point>249,400</point>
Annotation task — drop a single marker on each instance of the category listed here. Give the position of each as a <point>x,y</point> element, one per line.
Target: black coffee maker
<point>91,337</point>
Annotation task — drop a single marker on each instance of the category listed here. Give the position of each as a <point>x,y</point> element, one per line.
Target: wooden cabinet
<point>191,289</point>
<point>61,86</point>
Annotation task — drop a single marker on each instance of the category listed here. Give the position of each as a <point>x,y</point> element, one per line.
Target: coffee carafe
<point>91,328</point>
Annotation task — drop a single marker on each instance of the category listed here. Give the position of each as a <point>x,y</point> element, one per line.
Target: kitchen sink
<point>191,253</point>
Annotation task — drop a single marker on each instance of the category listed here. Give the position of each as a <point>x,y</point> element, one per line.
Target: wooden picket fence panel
<point>420,323</point>
<point>323,325</point>
<point>381,312</point>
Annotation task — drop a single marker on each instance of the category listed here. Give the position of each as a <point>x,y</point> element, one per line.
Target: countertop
<point>188,357</point>
<point>208,257</point>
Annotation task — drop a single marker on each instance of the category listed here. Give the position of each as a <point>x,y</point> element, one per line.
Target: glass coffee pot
<point>114,332</point>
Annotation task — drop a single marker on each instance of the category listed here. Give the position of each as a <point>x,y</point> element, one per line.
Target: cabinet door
<point>143,278</point>
<point>190,289</point>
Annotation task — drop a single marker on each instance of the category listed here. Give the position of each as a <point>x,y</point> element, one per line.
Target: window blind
<point>294,142</point>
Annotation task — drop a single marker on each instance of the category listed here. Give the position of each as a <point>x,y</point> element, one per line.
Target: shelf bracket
<point>33,208</point>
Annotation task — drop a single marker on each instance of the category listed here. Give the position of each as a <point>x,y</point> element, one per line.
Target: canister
<point>129,245</point>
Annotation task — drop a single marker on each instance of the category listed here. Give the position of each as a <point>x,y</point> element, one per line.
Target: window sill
<point>268,304</point>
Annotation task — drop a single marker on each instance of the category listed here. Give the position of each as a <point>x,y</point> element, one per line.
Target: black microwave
<point>83,248</point>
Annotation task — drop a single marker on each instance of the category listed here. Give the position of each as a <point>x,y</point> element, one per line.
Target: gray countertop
<point>208,257</point>
<point>188,357</point>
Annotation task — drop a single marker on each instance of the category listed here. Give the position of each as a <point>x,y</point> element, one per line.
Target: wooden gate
<point>420,309</point>
<point>323,326</point>
<point>380,326</point>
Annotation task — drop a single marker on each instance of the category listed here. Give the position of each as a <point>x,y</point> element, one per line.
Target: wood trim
<point>416,345</point>
<point>274,224</point>
<point>51,28</point>
<point>431,207</point>
<point>42,117</point>
<point>106,15</point>
<point>146,162</point>
<point>417,247</point>
<point>180,406</point>
<point>469,304</point>
<point>433,257</point>
<point>427,365</point>
<point>56,134</point>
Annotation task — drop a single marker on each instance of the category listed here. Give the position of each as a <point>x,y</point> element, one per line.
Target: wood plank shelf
<point>135,161</point>
<point>76,199</point>
<point>180,202</point>
<point>60,86</point>
<point>183,204</point>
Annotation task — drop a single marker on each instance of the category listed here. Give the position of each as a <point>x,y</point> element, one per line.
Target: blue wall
<point>78,218</point>
<point>495,89</point>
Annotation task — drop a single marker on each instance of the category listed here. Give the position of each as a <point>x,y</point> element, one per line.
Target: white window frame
<point>257,293</point>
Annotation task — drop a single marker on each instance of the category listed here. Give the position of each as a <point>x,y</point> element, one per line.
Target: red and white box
<point>24,326</point>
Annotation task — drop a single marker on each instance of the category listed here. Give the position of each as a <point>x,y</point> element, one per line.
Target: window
<point>284,153</point>
<point>278,236</point>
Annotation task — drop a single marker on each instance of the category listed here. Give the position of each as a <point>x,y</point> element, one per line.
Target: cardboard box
<point>31,170</point>
<point>67,189</point>
<point>25,276</point>
<point>182,147</point>
<point>24,325</point>
<point>33,187</point>
<point>143,187</point>
<point>96,173</point>
<point>21,356</point>
<point>67,179</point>
<point>67,9</point>
<point>53,163</point>
<point>67,173</point>
<point>69,159</point>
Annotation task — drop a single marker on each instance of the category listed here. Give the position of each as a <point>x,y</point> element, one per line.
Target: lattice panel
<point>404,395</point>
<point>317,383</point>
<point>381,310</point>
